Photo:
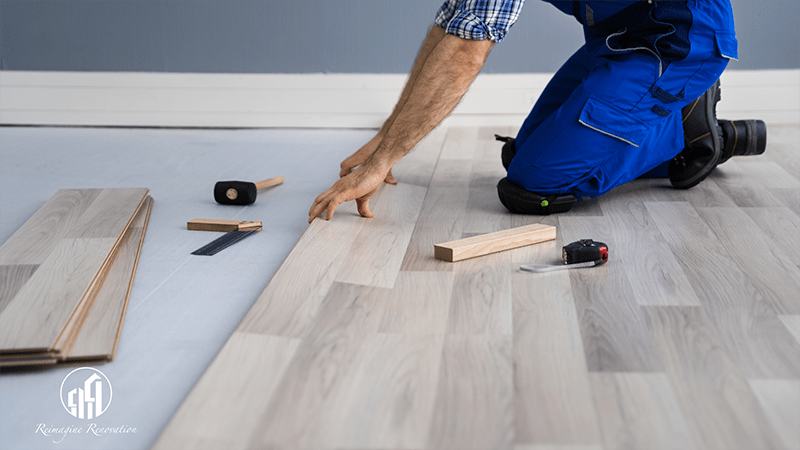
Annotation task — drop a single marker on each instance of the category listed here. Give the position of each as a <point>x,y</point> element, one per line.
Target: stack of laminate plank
<point>66,275</point>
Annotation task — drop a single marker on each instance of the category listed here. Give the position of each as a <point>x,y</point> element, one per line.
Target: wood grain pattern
<point>782,226</point>
<point>765,263</point>
<point>367,342</point>
<point>52,298</point>
<point>781,402</point>
<point>639,410</point>
<point>474,406</point>
<point>746,323</point>
<point>267,358</point>
<point>717,403</point>
<point>614,333</point>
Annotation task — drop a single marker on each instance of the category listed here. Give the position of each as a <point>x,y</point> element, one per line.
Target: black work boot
<point>509,150</point>
<point>703,141</point>
<point>742,138</point>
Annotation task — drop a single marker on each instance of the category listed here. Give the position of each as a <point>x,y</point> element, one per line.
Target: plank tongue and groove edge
<point>494,242</point>
<point>71,239</point>
<point>99,333</point>
<point>221,225</point>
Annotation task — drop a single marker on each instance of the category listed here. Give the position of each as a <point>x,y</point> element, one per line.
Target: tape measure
<point>579,254</point>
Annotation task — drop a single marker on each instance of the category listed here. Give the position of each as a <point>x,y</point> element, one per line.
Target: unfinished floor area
<point>689,338</point>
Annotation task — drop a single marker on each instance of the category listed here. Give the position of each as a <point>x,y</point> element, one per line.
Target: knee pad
<point>519,201</point>
<point>509,150</point>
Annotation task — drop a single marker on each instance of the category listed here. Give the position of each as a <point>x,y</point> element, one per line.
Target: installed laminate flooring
<point>688,338</point>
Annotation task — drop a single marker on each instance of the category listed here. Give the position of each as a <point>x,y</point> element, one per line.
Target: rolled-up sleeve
<point>479,19</point>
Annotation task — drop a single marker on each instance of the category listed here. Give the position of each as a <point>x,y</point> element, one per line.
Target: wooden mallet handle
<point>269,182</point>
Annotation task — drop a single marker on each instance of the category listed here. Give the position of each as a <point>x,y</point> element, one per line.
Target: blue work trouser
<point>613,111</point>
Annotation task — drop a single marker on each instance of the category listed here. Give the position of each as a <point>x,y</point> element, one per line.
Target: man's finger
<point>390,178</point>
<point>334,203</point>
<point>363,207</point>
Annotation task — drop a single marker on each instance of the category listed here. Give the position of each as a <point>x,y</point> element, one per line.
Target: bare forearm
<point>435,35</point>
<point>441,81</point>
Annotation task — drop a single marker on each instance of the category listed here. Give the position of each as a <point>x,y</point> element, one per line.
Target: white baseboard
<point>312,100</point>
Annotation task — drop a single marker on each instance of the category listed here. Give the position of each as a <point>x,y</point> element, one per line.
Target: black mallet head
<point>241,192</point>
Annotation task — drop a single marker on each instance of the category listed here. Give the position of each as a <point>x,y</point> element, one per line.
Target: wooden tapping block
<point>494,242</point>
<point>221,225</point>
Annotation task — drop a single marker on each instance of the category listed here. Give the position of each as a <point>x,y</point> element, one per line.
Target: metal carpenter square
<point>223,242</point>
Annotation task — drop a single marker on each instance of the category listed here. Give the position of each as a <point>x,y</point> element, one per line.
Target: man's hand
<point>358,158</point>
<point>359,185</point>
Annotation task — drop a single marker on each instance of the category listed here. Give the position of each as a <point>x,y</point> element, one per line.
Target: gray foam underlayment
<point>183,307</point>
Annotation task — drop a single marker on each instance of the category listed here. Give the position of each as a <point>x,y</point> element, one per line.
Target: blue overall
<point>613,111</point>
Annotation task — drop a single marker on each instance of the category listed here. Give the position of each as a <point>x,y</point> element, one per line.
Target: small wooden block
<point>494,242</point>
<point>221,225</point>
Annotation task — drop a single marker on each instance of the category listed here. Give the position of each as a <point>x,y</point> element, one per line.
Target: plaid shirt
<point>479,19</point>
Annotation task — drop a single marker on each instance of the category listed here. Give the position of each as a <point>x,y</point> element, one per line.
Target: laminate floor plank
<point>639,410</point>
<point>99,333</point>
<point>348,316</point>
<point>475,397</point>
<point>378,251</point>
<point>485,213</point>
<point>706,194</point>
<point>250,366</point>
<point>553,405</point>
<point>36,238</point>
<point>656,276</point>
<point>745,189</point>
<point>441,216</point>
<point>747,324</point>
<point>481,302</point>
<point>766,264</point>
<point>376,345</point>
<point>718,405</point>
<point>387,399</point>
<point>613,326</point>
<point>289,303</point>
<point>12,278</point>
<point>782,226</point>
<point>792,323</point>
<point>781,402</point>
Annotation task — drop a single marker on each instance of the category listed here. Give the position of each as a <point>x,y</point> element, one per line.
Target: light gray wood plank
<point>485,213</point>
<point>37,315</point>
<point>719,407</point>
<point>224,407</point>
<point>782,226</point>
<point>781,402</point>
<point>418,304</point>
<point>552,398</point>
<point>639,410</point>
<point>612,324</point>
<point>440,220</point>
<point>416,168</point>
<point>387,399</point>
<point>326,357</point>
<point>290,302</point>
<point>706,194</point>
<point>749,327</point>
<point>745,188</point>
<point>655,275</point>
<point>474,400</point>
<point>792,323</point>
<point>481,302</point>
<point>12,278</point>
<point>765,263</point>
<point>109,214</point>
<point>768,173</point>
<point>378,251</point>
<point>36,238</point>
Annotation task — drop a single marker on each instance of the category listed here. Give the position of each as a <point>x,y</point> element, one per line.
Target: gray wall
<point>302,36</point>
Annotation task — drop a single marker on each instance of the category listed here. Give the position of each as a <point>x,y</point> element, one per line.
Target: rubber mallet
<point>241,192</point>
